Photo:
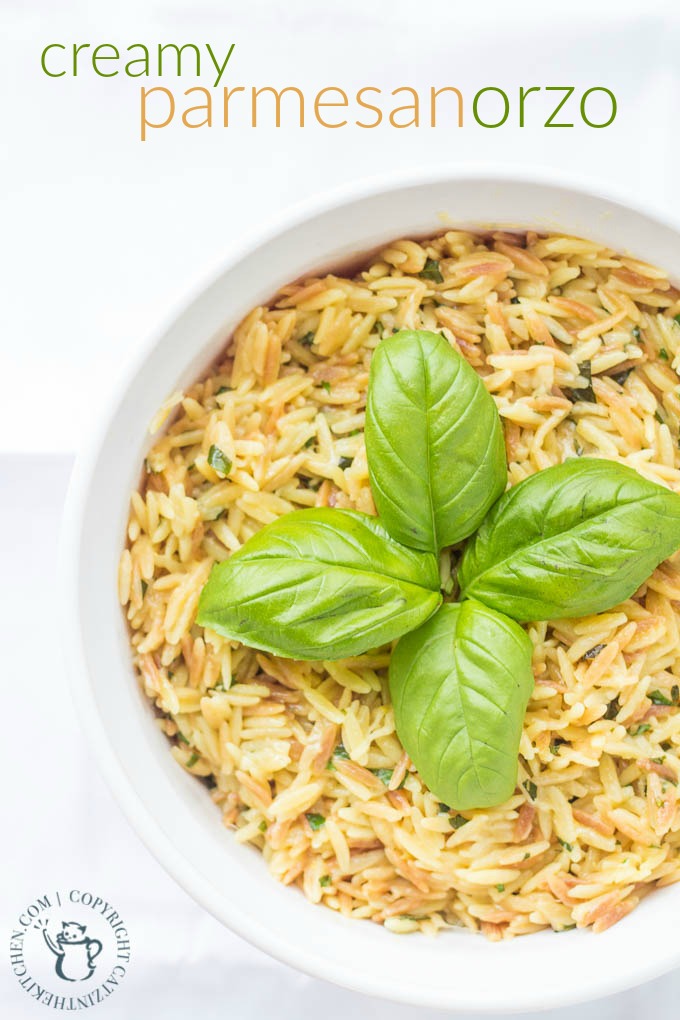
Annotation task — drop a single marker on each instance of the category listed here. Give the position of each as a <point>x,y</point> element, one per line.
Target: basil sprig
<point>572,540</point>
<point>434,442</point>
<point>321,584</point>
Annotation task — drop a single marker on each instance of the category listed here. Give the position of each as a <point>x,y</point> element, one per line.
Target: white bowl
<point>170,810</point>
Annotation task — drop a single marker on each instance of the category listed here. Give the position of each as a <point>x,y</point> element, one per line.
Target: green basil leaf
<point>320,584</point>
<point>434,441</point>
<point>460,686</point>
<point>573,539</point>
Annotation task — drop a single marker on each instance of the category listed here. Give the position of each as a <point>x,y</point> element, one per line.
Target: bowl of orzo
<point>374,595</point>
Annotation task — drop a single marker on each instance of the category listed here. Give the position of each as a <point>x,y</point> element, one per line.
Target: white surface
<point>115,230</point>
<point>61,826</point>
<point>101,234</point>
<point>181,827</point>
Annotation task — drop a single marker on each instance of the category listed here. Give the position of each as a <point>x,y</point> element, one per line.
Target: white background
<point>102,235</point>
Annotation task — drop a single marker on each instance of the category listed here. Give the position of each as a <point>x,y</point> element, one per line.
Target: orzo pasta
<point>580,348</point>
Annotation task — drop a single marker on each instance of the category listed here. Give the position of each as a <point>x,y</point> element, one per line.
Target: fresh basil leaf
<point>460,685</point>
<point>320,584</point>
<point>573,539</point>
<point>434,441</point>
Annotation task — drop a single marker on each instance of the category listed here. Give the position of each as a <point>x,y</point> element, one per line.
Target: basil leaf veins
<point>434,441</point>
<point>460,686</point>
<point>320,584</point>
<point>573,539</point>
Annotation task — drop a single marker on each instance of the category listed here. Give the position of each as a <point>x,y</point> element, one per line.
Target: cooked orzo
<point>580,348</point>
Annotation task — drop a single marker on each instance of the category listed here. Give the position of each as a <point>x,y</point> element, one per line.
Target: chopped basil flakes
<point>218,460</point>
<point>431,271</point>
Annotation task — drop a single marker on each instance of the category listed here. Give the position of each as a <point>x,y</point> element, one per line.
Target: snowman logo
<point>75,952</point>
